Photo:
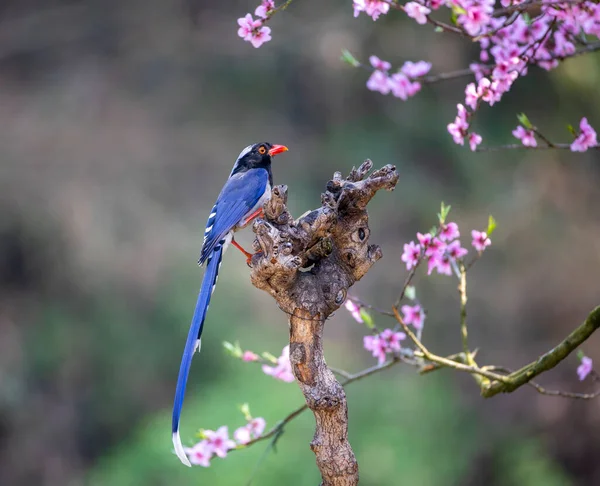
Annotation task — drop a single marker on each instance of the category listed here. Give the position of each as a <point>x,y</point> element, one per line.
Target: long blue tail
<point>193,341</point>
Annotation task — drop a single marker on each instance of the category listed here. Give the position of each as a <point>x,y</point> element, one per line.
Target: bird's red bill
<point>277,149</point>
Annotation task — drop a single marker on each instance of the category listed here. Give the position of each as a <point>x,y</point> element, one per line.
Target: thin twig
<point>434,78</point>
<point>340,372</point>
<point>517,146</point>
<point>555,393</point>
<point>407,281</point>
<point>445,361</point>
<point>277,428</point>
<point>543,137</point>
<point>546,361</point>
<point>558,393</point>
<point>462,290</point>
<point>509,21</point>
<point>371,307</point>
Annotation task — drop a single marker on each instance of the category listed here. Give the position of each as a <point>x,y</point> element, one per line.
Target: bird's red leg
<point>245,222</point>
<point>239,247</point>
<point>255,214</point>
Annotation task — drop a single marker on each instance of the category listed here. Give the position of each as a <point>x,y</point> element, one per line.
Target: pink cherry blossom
<point>247,25</point>
<point>478,69</point>
<point>252,430</point>
<point>415,69</point>
<point>474,140</point>
<point>441,262</point>
<point>449,232</point>
<point>471,96</point>
<point>411,255</point>
<point>477,16</point>
<point>402,87</point>
<point>413,315</point>
<point>354,310</point>
<point>261,36</point>
<point>252,31</point>
<point>432,263</point>
<point>283,370</point>
<point>373,8</point>
<point>437,259</point>
<point>379,64</point>
<point>257,426</point>
<point>200,454</point>
<point>249,356</point>
<point>485,90</point>
<point>417,11</point>
<point>392,339</point>
<point>263,9</point>
<point>585,368</point>
<point>457,133</point>
<point>435,247</point>
<point>242,435</point>
<point>376,346</point>
<point>458,129</point>
<point>480,240</point>
<point>218,441</point>
<point>455,251</point>
<point>562,46</point>
<point>424,240</point>
<point>381,344</point>
<point>587,137</point>
<point>379,81</point>
<point>527,137</point>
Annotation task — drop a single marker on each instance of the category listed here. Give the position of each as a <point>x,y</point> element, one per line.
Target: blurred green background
<point>120,122</point>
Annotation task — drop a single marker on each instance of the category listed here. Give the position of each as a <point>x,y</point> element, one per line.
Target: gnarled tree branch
<point>308,265</point>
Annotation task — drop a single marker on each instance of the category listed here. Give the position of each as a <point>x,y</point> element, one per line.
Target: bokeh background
<point>121,120</point>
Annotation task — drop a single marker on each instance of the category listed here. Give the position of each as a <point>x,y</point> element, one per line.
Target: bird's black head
<point>257,156</point>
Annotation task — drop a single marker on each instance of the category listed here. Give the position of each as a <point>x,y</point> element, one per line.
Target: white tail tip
<point>198,346</point>
<point>179,449</point>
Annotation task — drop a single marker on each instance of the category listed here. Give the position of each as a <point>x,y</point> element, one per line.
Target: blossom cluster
<point>459,129</point>
<point>388,341</point>
<point>442,250</point>
<point>401,84</point>
<point>383,344</point>
<point>252,30</point>
<point>217,442</point>
<point>510,41</point>
<point>585,138</point>
<point>512,46</point>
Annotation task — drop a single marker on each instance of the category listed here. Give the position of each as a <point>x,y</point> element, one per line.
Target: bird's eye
<point>262,150</point>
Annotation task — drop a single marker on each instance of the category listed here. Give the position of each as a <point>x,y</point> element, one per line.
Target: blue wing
<point>193,341</point>
<point>238,197</point>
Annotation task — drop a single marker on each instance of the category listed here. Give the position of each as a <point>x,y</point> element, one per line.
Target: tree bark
<point>308,265</point>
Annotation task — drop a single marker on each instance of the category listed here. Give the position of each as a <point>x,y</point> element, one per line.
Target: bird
<point>241,200</point>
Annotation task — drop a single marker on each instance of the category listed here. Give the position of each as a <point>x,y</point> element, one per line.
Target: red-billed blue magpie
<point>241,200</point>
